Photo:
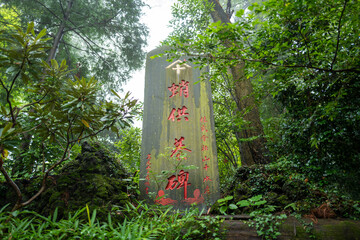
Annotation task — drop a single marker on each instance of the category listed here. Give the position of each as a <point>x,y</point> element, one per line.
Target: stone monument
<point>178,155</point>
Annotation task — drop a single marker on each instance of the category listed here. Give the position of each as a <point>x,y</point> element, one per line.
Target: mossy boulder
<point>286,190</point>
<point>94,178</point>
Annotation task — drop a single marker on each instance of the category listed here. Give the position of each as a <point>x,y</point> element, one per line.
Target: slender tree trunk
<point>60,32</point>
<point>251,151</point>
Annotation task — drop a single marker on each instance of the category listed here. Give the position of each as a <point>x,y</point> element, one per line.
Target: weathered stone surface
<point>179,161</point>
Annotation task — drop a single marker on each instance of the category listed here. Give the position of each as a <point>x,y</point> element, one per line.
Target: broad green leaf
<point>41,34</point>
<point>255,198</point>
<point>63,63</point>
<point>233,206</point>
<point>243,203</point>
<point>6,128</point>
<point>85,123</point>
<point>54,64</point>
<point>240,13</point>
<point>30,27</point>
<point>227,198</point>
<point>3,110</point>
<point>115,93</point>
<point>223,209</point>
<point>45,64</point>
<point>260,203</point>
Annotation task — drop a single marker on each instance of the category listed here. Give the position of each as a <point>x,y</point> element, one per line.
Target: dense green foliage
<point>302,55</point>
<point>129,148</point>
<point>284,189</point>
<point>313,55</point>
<point>141,222</point>
<point>42,102</point>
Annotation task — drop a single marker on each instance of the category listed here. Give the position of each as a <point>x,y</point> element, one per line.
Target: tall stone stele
<point>178,155</point>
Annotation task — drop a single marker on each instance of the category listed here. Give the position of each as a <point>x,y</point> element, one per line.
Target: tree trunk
<point>251,151</point>
<point>60,32</point>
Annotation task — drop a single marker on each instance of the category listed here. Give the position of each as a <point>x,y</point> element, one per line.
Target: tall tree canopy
<point>100,37</point>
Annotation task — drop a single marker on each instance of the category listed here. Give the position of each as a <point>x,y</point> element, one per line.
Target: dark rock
<point>94,178</point>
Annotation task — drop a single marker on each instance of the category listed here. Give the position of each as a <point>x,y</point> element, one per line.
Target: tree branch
<point>28,105</point>
<point>92,134</point>
<point>231,152</point>
<point>43,185</point>
<point>88,42</point>
<point>338,36</point>
<point>278,65</point>
<point>229,11</point>
<point>8,91</point>
<point>49,10</point>
<point>77,48</point>
<point>307,47</point>
<point>13,185</point>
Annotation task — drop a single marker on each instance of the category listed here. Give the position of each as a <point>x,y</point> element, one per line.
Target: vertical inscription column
<point>178,136</point>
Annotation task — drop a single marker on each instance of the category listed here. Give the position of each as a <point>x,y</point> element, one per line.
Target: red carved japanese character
<point>206,167</point>
<point>173,89</point>
<point>205,159</point>
<point>147,190</point>
<point>184,88</point>
<point>179,146</point>
<point>148,156</point>
<point>147,178</point>
<point>172,182</point>
<point>203,119</point>
<point>204,148</point>
<point>207,178</point>
<point>147,184</point>
<point>204,137</point>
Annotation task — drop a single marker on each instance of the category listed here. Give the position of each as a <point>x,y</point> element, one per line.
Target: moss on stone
<point>94,178</point>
